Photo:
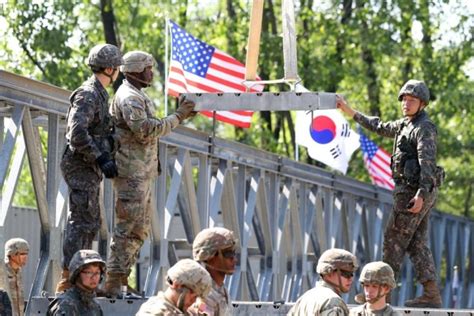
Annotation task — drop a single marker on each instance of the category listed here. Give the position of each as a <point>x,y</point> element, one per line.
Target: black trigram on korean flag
<point>345,131</point>
<point>336,152</point>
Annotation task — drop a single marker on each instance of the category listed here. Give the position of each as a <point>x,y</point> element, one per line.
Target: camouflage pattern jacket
<point>12,283</point>
<point>89,124</point>
<point>5,305</point>
<point>75,302</point>
<point>216,303</point>
<point>414,150</point>
<point>363,311</point>
<point>159,305</point>
<point>320,300</point>
<point>138,131</point>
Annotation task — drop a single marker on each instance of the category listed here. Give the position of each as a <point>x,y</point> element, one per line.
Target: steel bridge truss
<point>285,213</point>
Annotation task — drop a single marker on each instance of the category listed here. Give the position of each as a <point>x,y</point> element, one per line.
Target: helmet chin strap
<point>376,298</point>
<point>146,83</point>
<point>182,296</point>
<point>226,271</point>
<point>338,287</point>
<point>111,76</point>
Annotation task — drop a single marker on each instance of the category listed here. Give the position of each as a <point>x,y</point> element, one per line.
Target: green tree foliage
<point>364,49</point>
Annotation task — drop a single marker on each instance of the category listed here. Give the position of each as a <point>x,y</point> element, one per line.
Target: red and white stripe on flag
<point>377,162</point>
<point>199,67</point>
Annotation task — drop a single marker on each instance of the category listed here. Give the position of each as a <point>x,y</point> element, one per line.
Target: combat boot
<point>64,283</point>
<point>113,283</point>
<point>431,297</point>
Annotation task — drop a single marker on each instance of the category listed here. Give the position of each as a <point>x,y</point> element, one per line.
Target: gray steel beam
<point>263,101</point>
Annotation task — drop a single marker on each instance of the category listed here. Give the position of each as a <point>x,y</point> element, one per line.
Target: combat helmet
<point>191,275</point>
<point>15,246</point>
<point>105,56</point>
<point>336,259</point>
<point>211,240</point>
<point>415,88</point>
<point>82,258</point>
<point>378,272</point>
<point>136,61</point>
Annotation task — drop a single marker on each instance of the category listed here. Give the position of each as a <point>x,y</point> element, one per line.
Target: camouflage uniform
<point>159,305</point>
<point>320,300</point>
<point>5,305</point>
<point>137,162</point>
<point>414,171</point>
<point>216,303</point>
<point>77,301</point>
<point>363,311</point>
<point>324,298</point>
<point>12,281</point>
<point>90,139</point>
<point>188,273</point>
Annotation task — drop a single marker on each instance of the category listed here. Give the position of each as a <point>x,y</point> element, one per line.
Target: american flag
<point>377,162</point>
<point>199,67</point>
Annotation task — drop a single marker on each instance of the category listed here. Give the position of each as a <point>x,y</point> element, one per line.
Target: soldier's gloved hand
<point>107,165</point>
<point>185,109</point>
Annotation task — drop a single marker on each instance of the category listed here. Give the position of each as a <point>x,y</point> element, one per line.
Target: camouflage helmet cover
<point>105,56</point>
<point>15,246</point>
<point>415,88</point>
<point>82,258</point>
<point>211,240</point>
<point>192,275</point>
<point>336,259</point>
<point>136,61</point>
<point>378,272</point>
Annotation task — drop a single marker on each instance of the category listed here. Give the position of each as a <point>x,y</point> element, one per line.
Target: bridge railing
<point>285,213</point>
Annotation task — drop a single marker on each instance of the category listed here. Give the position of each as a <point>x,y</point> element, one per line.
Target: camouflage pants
<point>408,233</point>
<point>83,180</point>
<point>132,222</point>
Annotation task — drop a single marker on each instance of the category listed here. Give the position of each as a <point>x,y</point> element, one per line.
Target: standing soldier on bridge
<point>417,179</point>
<point>16,257</point>
<point>137,162</point>
<point>89,153</point>
<point>377,280</point>
<point>336,269</point>
<point>215,249</point>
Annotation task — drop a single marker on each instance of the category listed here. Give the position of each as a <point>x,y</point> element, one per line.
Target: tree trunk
<point>109,23</point>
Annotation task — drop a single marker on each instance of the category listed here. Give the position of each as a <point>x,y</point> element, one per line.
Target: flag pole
<point>166,63</point>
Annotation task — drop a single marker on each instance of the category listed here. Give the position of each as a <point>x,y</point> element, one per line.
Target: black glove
<point>107,165</point>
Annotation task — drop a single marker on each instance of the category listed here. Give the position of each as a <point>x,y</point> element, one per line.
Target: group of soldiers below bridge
<point>121,143</point>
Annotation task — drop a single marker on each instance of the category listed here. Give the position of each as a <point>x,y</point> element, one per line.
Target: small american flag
<point>377,162</point>
<point>199,67</point>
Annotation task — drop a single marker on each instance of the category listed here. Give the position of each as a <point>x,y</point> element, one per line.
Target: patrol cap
<point>14,246</point>
<point>336,259</point>
<point>192,275</point>
<point>378,272</point>
<point>105,56</point>
<point>82,258</point>
<point>211,240</point>
<point>415,88</point>
<point>136,61</point>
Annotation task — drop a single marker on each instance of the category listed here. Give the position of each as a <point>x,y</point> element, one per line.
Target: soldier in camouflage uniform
<point>16,257</point>
<point>5,305</point>
<point>187,281</point>
<point>215,248</point>
<point>417,179</point>
<point>336,269</point>
<point>378,280</point>
<point>86,271</point>
<point>88,153</point>
<point>137,162</point>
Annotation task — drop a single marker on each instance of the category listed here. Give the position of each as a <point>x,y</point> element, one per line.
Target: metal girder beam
<point>263,101</point>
